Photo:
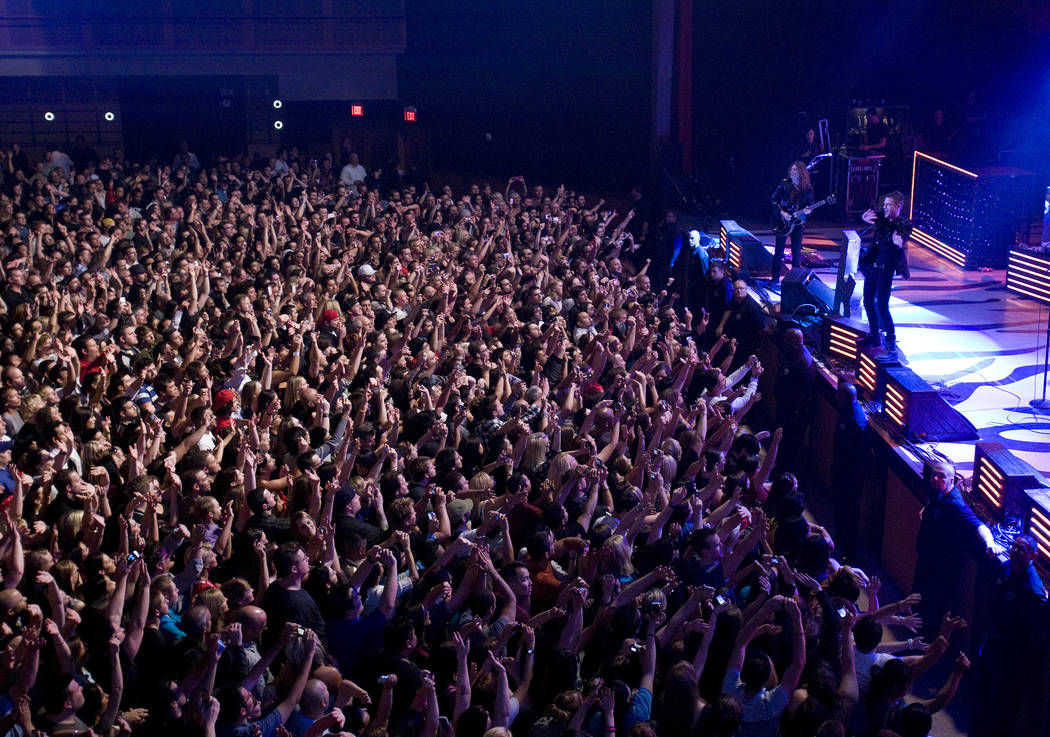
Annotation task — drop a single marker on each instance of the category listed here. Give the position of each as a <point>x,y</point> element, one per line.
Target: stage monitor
<point>920,412</point>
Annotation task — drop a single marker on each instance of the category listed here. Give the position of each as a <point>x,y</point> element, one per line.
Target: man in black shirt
<point>875,134</point>
<point>285,600</point>
<point>742,320</point>
<point>948,532</point>
<point>793,388</point>
<point>849,467</point>
<point>1015,643</point>
<point>886,256</point>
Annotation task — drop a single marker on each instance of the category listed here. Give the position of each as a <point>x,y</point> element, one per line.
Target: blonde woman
<point>294,390</point>
<point>534,463</point>
<point>617,558</point>
<point>556,471</point>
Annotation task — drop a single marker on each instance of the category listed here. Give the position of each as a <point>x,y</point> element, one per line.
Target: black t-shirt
<point>154,662</point>
<point>345,525</point>
<point>291,605</point>
<point>14,297</point>
<point>277,529</point>
<point>876,132</point>
<point>786,196</point>
<point>744,323</point>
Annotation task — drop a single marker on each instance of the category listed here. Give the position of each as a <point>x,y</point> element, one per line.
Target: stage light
<point>358,111</point>
<point>278,124</point>
<point>743,251</point>
<point>1037,523</point>
<point>1000,479</point>
<point>49,116</point>
<point>410,115</point>
<point>277,104</point>
<point>915,408</point>
<point>109,116</point>
<point>939,247</point>
<point>868,374</point>
<point>1028,274</point>
<point>960,215</point>
<point>842,338</point>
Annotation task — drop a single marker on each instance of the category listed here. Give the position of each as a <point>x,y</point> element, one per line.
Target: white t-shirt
<point>864,663</point>
<point>350,174</point>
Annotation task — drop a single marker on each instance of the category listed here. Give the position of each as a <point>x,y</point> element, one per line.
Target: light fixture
<point>49,116</point>
<point>278,124</point>
<point>1038,523</point>
<point>1000,479</point>
<point>918,411</point>
<point>1029,274</point>
<point>277,104</point>
<point>843,338</point>
<point>109,116</point>
<point>868,374</point>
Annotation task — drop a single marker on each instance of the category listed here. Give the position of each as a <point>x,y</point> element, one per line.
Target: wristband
<point>530,651</point>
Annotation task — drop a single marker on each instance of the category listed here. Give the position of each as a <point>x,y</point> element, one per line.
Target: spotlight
<point>277,104</point>
<point>49,116</point>
<point>109,116</point>
<point>278,124</point>
<point>358,111</point>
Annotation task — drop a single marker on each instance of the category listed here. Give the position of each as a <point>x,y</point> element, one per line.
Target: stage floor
<point>980,345</point>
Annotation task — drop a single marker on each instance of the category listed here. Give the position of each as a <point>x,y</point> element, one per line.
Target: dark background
<point>564,87</point>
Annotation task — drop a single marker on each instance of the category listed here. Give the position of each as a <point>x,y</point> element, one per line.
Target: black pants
<point>878,282</point>
<point>796,252</point>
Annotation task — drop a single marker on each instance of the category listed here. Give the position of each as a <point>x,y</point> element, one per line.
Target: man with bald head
<point>312,706</point>
<point>245,657</point>
<point>948,532</point>
<point>12,605</point>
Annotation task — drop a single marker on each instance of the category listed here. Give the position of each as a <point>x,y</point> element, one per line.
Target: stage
<point>980,346</point>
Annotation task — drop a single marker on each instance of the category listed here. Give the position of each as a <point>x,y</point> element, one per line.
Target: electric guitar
<point>798,216</point>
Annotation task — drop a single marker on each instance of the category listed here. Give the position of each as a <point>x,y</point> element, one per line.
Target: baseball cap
<point>329,316</point>
<point>365,270</point>
<point>224,397</point>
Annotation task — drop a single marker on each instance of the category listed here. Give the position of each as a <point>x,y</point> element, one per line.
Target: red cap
<point>224,397</point>
<point>329,316</point>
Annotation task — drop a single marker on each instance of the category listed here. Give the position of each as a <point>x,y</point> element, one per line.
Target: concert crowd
<point>290,447</point>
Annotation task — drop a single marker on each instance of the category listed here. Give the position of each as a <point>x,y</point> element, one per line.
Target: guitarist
<point>792,197</point>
